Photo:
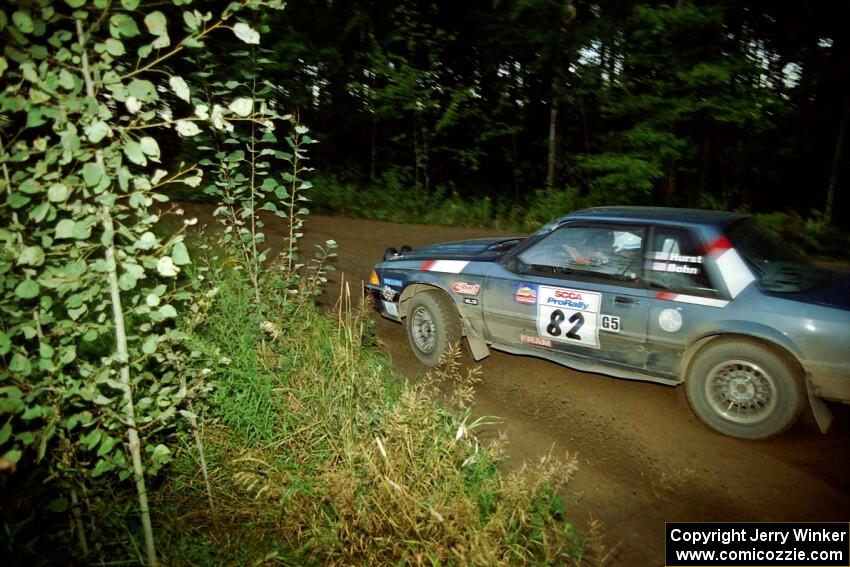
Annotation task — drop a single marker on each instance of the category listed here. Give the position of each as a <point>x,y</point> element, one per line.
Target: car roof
<point>655,215</point>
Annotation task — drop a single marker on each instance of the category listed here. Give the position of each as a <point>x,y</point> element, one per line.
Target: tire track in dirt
<point>643,457</point>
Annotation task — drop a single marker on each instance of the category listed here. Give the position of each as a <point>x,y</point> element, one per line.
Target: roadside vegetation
<point>394,201</point>
<point>170,398</point>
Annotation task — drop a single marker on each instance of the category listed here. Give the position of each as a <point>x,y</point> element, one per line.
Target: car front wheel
<point>432,325</point>
<point>744,390</point>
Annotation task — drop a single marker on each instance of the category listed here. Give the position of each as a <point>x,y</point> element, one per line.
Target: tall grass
<point>319,454</point>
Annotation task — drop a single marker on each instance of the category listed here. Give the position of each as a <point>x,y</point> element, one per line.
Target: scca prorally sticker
<point>466,288</point>
<point>537,341</point>
<point>393,282</point>
<point>525,293</point>
<point>568,315</point>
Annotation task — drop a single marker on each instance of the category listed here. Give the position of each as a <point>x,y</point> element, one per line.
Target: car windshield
<point>778,267</point>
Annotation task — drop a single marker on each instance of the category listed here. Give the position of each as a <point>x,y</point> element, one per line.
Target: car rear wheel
<point>743,389</point>
<point>433,325</point>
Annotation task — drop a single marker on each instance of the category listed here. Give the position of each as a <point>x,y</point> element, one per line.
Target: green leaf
<point>133,151</point>
<point>31,256</point>
<point>150,147</point>
<point>149,346</point>
<point>187,128</point>
<point>3,66</point>
<point>75,3</point>
<point>123,25</point>
<point>165,266</point>
<point>27,289</point>
<point>156,23</point>
<point>180,254</point>
<point>58,193</point>
<point>143,90</point>
<point>160,455</point>
<point>65,229</point>
<point>246,33</point>
<point>168,312</point>
<point>180,88</point>
<point>242,106</point>
<point>130,4</point>
<point>58,505</point>
<point>114,47</point>
<point>96,131</point>
<point>23,21</point>
<point>20,364</point>
<point>146,241</point>
<point>5,432</point>
<point>82,231</point>
<point>17,200</point>
<point>92,173</point>
<point>13,456</point>
<point>66,80</point>
<point>5,345</point>
<point>192,21</point>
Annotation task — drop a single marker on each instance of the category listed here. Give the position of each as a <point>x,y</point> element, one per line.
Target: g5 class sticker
<point>610,323</point>
<point>568,315</point>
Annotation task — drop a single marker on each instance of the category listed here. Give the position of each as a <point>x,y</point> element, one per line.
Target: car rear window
<point>776,265</point>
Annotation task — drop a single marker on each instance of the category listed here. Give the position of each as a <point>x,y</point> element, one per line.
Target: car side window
<point>610,252</point>
<point>675,263</point>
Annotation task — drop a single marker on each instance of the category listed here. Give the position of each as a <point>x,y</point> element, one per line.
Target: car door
<point>686,295</point>
<point>576,292</point>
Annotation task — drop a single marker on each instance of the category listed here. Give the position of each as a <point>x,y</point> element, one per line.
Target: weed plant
<point>318,453</point>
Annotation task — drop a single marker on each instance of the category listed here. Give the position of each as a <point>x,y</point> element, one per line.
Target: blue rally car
<point>708,299</point>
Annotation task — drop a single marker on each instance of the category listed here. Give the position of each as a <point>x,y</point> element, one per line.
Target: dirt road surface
<point>644,458</point>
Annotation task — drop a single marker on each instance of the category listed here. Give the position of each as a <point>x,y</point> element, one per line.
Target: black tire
<point>744,389</point>
<point>432,325</point>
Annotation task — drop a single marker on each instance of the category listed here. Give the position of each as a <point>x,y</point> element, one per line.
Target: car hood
<point>833,291</point>
<point>478,249</point>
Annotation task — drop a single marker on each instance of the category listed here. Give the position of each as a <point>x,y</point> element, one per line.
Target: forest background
<point>153,383</point>
<point>506,113</point>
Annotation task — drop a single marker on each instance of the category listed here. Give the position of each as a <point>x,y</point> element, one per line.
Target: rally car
<point>709,299</point>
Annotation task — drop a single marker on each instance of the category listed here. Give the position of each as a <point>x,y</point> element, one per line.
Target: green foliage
<point>320,454</point>
<point>90,346</point>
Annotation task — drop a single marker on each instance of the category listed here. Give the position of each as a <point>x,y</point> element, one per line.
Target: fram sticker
<point>537,341</point>
<point>466,288</point>
<point>525,293</point>
<point>393,282</point>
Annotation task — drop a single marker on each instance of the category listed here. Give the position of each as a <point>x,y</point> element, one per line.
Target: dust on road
<point>644,458</point>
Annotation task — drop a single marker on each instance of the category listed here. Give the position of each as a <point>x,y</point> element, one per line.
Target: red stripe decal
<point>719,246</point>
<point>665,295</point>
<point>426,265</point>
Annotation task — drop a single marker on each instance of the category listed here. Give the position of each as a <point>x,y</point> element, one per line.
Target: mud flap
<point>823,415</point>
<point>477,345</point>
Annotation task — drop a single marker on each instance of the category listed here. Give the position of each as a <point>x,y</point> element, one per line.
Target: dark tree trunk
<point>829,210</point>
<point>553,146</point>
